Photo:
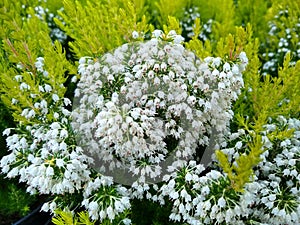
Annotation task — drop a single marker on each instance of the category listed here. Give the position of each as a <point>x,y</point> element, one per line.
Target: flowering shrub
<point>193,127</point>
<point>144,94</point>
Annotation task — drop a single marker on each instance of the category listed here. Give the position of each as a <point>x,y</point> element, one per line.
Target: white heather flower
<point>55,97</point>
<point>14,101</point>
<point>49,171</point>
<point>74,79</point>
<point>226,67</point>
<point>110,213</point>
<point>24,86</point>
<point>45,207</point>
<point>178,39</point>
<point>135,34</point>
<point>47,88</point>
<point>55,115</point>
<point>126,221</point>
<point>157,33</point>
<point>221,202</point>
<point>52,206</point>
<point>6,132</point>
<point>60,163</point>
<point>18,78</point>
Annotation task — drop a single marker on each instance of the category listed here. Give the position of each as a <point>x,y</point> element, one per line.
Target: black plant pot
<point>36,217</point>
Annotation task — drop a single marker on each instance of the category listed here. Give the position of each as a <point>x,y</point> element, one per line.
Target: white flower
<point>49,171</point>
<point>47,88</point>
<point>188,177</point>
<point>52,206</point>
<point>60,163</point>
<point>55,97</point>
<point>239,145</point>
<point>221,202</point>
<point>14,101</point>
<point>135,34</point>
<point>24,86</point>
<point>93,206</point>
<point>157,33</point>
<point>226,67</point>
<point>174,195</point>
<point>178,39</point>
<point>126,221</point>
<point>74,79</point>
<point>205,190</point>
<point>110,213</point>
<point>6,131</point>
<point>18,78</point>
<point>45,207</point>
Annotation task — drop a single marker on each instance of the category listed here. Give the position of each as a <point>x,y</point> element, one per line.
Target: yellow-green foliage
<point>23,41</point>
<point>241,171</point>
<point>173,24</point>
<point>67,218</point>
<point>228,47</point>
<point>99,26</point>
<point>253,12</point>
<point>256,100</point>
<point>223,13</point>
<point>168,8</point>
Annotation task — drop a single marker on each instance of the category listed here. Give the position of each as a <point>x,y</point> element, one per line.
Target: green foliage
<point>256,105</point>
<point>146,212</point>
<point>66,217</point>
<point>14,200</point>
<point>173,24</point>
<point>283,35</point>
<point>99,26</point>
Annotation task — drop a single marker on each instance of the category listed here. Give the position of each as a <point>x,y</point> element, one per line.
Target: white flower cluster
<point>134,99</point>
<point>43,153</point>
<point>103,200</point>
<point>201,199</point>
<point>278,177</point>
<point>273,198</point>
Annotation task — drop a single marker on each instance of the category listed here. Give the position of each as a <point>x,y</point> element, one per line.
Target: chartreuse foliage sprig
<point>68,218</point>
<point>99,26</point>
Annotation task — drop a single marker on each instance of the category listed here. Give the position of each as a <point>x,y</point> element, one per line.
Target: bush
<point>138,112</point>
